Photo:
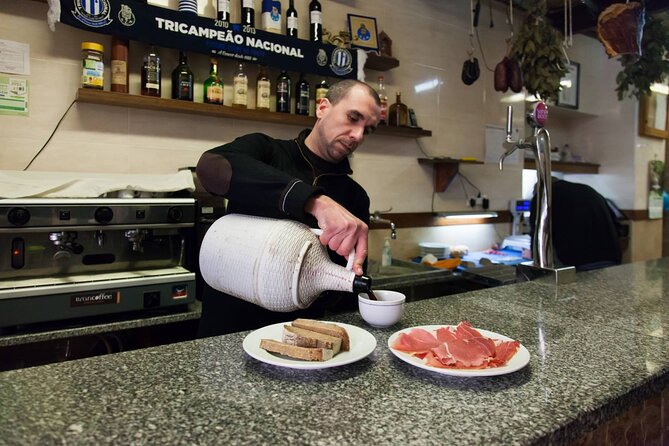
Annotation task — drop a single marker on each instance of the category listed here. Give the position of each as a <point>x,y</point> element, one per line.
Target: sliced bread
<point>325,328</point>
<point>305,353</point>
<point>308,338</point>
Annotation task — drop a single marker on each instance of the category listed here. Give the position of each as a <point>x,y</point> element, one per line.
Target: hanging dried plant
<point>538,47</point>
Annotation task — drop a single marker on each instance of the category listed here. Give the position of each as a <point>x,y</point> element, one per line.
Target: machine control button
<point>104,214</point>
<point>18,216</point>
<point>63,214</point>
<point>18,253</point>
<point>175,214</point>
<point>140,214</point>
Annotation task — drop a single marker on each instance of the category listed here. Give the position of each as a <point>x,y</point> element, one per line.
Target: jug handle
<point>351,255</point>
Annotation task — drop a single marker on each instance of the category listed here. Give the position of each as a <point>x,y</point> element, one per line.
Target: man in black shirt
<point>305,179</point>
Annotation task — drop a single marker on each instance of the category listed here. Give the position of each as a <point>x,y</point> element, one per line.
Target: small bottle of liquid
<point>263,90</point>
<point>398,114</point>
<point>384,101</point>
<point>283,87</point>
<point>321,91</point>
<point>248,13</point>
<point>271,16</point>
<point>240,88</point>
<point>315,21</point>
<point>223,12</point>
<point>151,73</point>
<point>386,255</point>
<point>119,65</point>
<point>302,96</point>
<point>93,66</point>
<point>182,79</point>
<point>213,87</point>
<point>291,20</point>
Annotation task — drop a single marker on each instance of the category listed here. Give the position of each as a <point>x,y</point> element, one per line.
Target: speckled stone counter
<point>597,347</point>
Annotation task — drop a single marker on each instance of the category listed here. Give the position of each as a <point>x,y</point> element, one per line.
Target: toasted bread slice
<point>325,328</point>
<point>308,338</point>
<point>305,353</point>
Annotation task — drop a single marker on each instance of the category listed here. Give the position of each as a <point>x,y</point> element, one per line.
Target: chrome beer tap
<point>539,143</point>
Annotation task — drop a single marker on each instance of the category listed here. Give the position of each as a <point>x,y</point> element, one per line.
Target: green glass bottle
<point>213,87</point>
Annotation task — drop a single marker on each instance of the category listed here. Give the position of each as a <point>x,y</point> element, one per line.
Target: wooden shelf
<point>381,63</point>
<point>567,166</point>
<point>445,170</point>
<point>93,96</point>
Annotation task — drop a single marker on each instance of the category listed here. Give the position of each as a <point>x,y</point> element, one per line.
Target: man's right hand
<point>342,231</point>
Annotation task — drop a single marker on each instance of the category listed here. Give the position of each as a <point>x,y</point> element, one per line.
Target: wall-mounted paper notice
<point>14,57</point>
<point>13,95</point>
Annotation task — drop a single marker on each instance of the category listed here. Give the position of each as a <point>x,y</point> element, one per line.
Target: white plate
<point>362,344</point>
<point>517,362</point>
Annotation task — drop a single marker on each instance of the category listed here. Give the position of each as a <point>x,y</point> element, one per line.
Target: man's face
<point>342,127</point>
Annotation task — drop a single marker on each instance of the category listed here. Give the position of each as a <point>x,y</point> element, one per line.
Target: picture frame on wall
<point>654,112</point>
<point>568,96</point>
<point>363,31</point>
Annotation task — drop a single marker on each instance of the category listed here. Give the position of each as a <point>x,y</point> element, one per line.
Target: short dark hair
<point>338,91</point>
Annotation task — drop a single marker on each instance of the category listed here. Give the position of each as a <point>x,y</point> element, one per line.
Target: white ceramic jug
<point>279,265</point>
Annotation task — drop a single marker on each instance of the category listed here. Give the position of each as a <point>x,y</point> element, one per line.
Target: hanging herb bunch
<point>538,47</point>
<point>638,75</point>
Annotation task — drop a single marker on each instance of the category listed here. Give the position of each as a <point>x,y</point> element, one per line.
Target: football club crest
<point>321,57</point>
<point>93,13</point>
<point>341,61</point>
<point>125,15</point>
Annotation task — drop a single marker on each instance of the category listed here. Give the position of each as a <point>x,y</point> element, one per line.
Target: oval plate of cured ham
<point>458,350</point>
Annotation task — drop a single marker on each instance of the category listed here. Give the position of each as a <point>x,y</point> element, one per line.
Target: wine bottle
<point>315,21</point>
<point>213,87</point>
<point>283,88</point>
<point>263,90</point>
<point>223,12</point>
<point>291,20</point>
<point>302,96</point>
<point>119,65</point>
<point>182,79</point>
<point>398,114</point>
<point>321,91</point>
<point>384,101</point>
<point>248,13</point>
<point>271,16</point>
<point>240,88</point>
<point>150,77</point>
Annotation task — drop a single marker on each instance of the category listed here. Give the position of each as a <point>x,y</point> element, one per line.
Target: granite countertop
<point>597,346</point>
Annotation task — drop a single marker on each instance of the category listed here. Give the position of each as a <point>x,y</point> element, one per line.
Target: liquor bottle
<point>182,80</point>
<point>384,101</point>
<point>398,114</point>
<point>271,16</point>
<point>248,13</point>
<point>302,96</point>
<point>283,87</point>
<point>119,65</point>
<point>321,91</point>
<point>223,12</point>
<point>240,88</point>
<point>213,87</point>
<point>151,73</point>
<point>263,90</point>
<point>291,20</point>
<point>315,21</point>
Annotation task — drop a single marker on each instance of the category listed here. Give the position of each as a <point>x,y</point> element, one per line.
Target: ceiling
<point>585,12</point>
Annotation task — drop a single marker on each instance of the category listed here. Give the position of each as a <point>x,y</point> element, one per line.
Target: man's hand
<point>342,231</point>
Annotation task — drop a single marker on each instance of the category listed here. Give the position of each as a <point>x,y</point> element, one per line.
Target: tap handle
<point>509,122</point>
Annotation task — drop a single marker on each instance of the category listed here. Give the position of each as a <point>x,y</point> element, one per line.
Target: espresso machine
<point>78,257</point>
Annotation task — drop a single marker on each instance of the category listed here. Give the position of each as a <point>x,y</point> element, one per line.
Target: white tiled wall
<point>431,40</point>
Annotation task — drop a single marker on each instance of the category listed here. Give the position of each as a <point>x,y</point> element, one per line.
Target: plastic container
<point>93,66</point>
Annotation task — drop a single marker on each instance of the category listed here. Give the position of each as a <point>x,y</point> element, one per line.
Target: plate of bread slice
<point>309,344</point>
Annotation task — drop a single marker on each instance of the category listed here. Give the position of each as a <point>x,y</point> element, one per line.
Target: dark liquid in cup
<point>371,295</point>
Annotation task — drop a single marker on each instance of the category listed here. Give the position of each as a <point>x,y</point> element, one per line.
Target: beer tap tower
<point>543,260</point>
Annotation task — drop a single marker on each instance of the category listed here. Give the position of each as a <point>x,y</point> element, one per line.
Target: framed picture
<point>568,96</point>
<point>654,112</point>
<point>363,32</point>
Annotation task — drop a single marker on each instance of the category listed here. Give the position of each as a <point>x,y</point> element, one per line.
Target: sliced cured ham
<point>462,347</point>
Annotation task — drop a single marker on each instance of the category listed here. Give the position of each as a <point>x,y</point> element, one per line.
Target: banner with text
<point>164,27</point>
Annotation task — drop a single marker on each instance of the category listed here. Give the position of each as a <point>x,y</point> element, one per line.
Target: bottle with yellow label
<point>263,90</point>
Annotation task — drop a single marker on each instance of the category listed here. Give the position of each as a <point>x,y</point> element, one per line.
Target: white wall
<point>430,38</point>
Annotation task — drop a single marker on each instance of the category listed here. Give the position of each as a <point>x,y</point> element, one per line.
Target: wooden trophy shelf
<point>380,63</point>
<point>445,170</point>
<point>93,96</point>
